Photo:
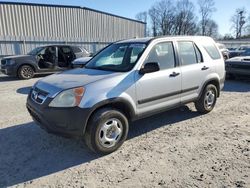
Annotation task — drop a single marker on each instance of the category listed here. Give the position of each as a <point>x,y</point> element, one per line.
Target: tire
<point>106,131</point>
<point>207,101</point>
<point>25,72</point>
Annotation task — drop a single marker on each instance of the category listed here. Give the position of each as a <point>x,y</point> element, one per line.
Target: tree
<point>206,8</point>
<point>166,15</point>
<point>154,20</point>
<point>238,22</point>
<point>142,16</point>
<point>212,28</point>
<point>185,20</point>
<point>228,37</point>
<point>248,26</point>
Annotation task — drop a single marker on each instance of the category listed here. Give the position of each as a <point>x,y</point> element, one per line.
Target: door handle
<point>174,74</point>
<point>204,68</point>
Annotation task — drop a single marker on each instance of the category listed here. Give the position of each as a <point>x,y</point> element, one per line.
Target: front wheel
<point>25,72</point>
<point>207,101</point>
<point>106,131</point>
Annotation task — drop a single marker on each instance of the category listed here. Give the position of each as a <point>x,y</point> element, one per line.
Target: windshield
<point>35,51</point>
<point>119,57</point>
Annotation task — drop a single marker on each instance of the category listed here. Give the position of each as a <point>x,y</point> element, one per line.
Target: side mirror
<point>149,67</point>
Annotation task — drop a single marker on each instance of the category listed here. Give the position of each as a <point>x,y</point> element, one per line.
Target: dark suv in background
<point>42,60</point>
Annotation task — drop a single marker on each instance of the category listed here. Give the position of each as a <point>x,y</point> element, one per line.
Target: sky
<point>129,8</point>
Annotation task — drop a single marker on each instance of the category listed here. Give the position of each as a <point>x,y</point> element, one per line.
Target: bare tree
<point>206,8</point>
<point>166,15</point>
<point>212,29</point>
<point>248,26</point>
<point>154,20</point>
<point>185,19</point>
<point>142,16</point>
<point>238,22</point>
<point>162,15</point>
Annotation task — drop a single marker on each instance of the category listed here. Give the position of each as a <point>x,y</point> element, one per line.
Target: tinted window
<point>76,49</point>
<point>35,51</point>
<point>212,50</point>
<point>187,53</point>
<point>65,50</point>
<point>163,54</point>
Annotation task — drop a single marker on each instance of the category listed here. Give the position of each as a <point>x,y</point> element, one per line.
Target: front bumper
<point>8,70</point>
<point>70,122</point>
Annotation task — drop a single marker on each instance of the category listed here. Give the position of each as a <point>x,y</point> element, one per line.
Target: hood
<point>238,58</point>
<point>72,78</point>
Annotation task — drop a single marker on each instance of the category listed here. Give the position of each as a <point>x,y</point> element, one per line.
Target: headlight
<point>10,62</point>
<point>68,98</point>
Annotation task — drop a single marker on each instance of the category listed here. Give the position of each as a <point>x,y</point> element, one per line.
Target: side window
<point>187,53</point>
<point>76,49</point>
<point>212,50</point>
<point>162,53</point>
<point>66,50</point>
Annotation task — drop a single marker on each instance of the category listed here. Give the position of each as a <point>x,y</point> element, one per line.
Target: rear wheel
<point>207,101</point>
<point>106,131</point>
<point>25,72</point>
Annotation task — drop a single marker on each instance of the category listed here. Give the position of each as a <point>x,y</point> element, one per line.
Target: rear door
<point>162,88</point>
<point>65,57</point>
<point>194,70</point>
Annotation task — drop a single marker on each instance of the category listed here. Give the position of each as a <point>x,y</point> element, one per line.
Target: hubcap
<point>209,99</point>
<point>27,72</point>
<point>110,133</point>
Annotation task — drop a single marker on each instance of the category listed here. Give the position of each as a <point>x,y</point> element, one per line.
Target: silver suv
<point>126,81</point>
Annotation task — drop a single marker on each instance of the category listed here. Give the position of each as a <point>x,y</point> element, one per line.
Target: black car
<point>42,60</point>
<point>241,51</point>
<point>238,66</point>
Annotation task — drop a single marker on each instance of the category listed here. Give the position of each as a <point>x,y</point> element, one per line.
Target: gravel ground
<point>178,148</point>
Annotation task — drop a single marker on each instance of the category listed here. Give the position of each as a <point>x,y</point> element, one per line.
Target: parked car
<point>125,81</point>
<point>223,50</point>
<point>238,66</point>
<point>42,60</point>
<point>80,62</point>
<point>246,52</point>
<point>239,51</point>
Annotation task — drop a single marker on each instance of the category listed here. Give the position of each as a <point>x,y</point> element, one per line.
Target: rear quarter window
<point>212,51</point>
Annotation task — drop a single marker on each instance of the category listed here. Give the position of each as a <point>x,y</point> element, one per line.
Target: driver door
<point>47,59</point>
<point>159,89</point>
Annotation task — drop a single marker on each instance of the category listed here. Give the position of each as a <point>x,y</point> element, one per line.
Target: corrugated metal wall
<point>25,26</point>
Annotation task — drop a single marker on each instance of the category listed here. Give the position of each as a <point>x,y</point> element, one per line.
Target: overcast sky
<point>129,8</point>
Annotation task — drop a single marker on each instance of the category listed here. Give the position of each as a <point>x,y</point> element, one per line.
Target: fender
<point>30,63</point>
<point>211,80</point>
<point>115,102</point>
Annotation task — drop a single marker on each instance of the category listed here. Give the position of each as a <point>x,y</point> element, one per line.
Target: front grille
<point>38,95</point>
